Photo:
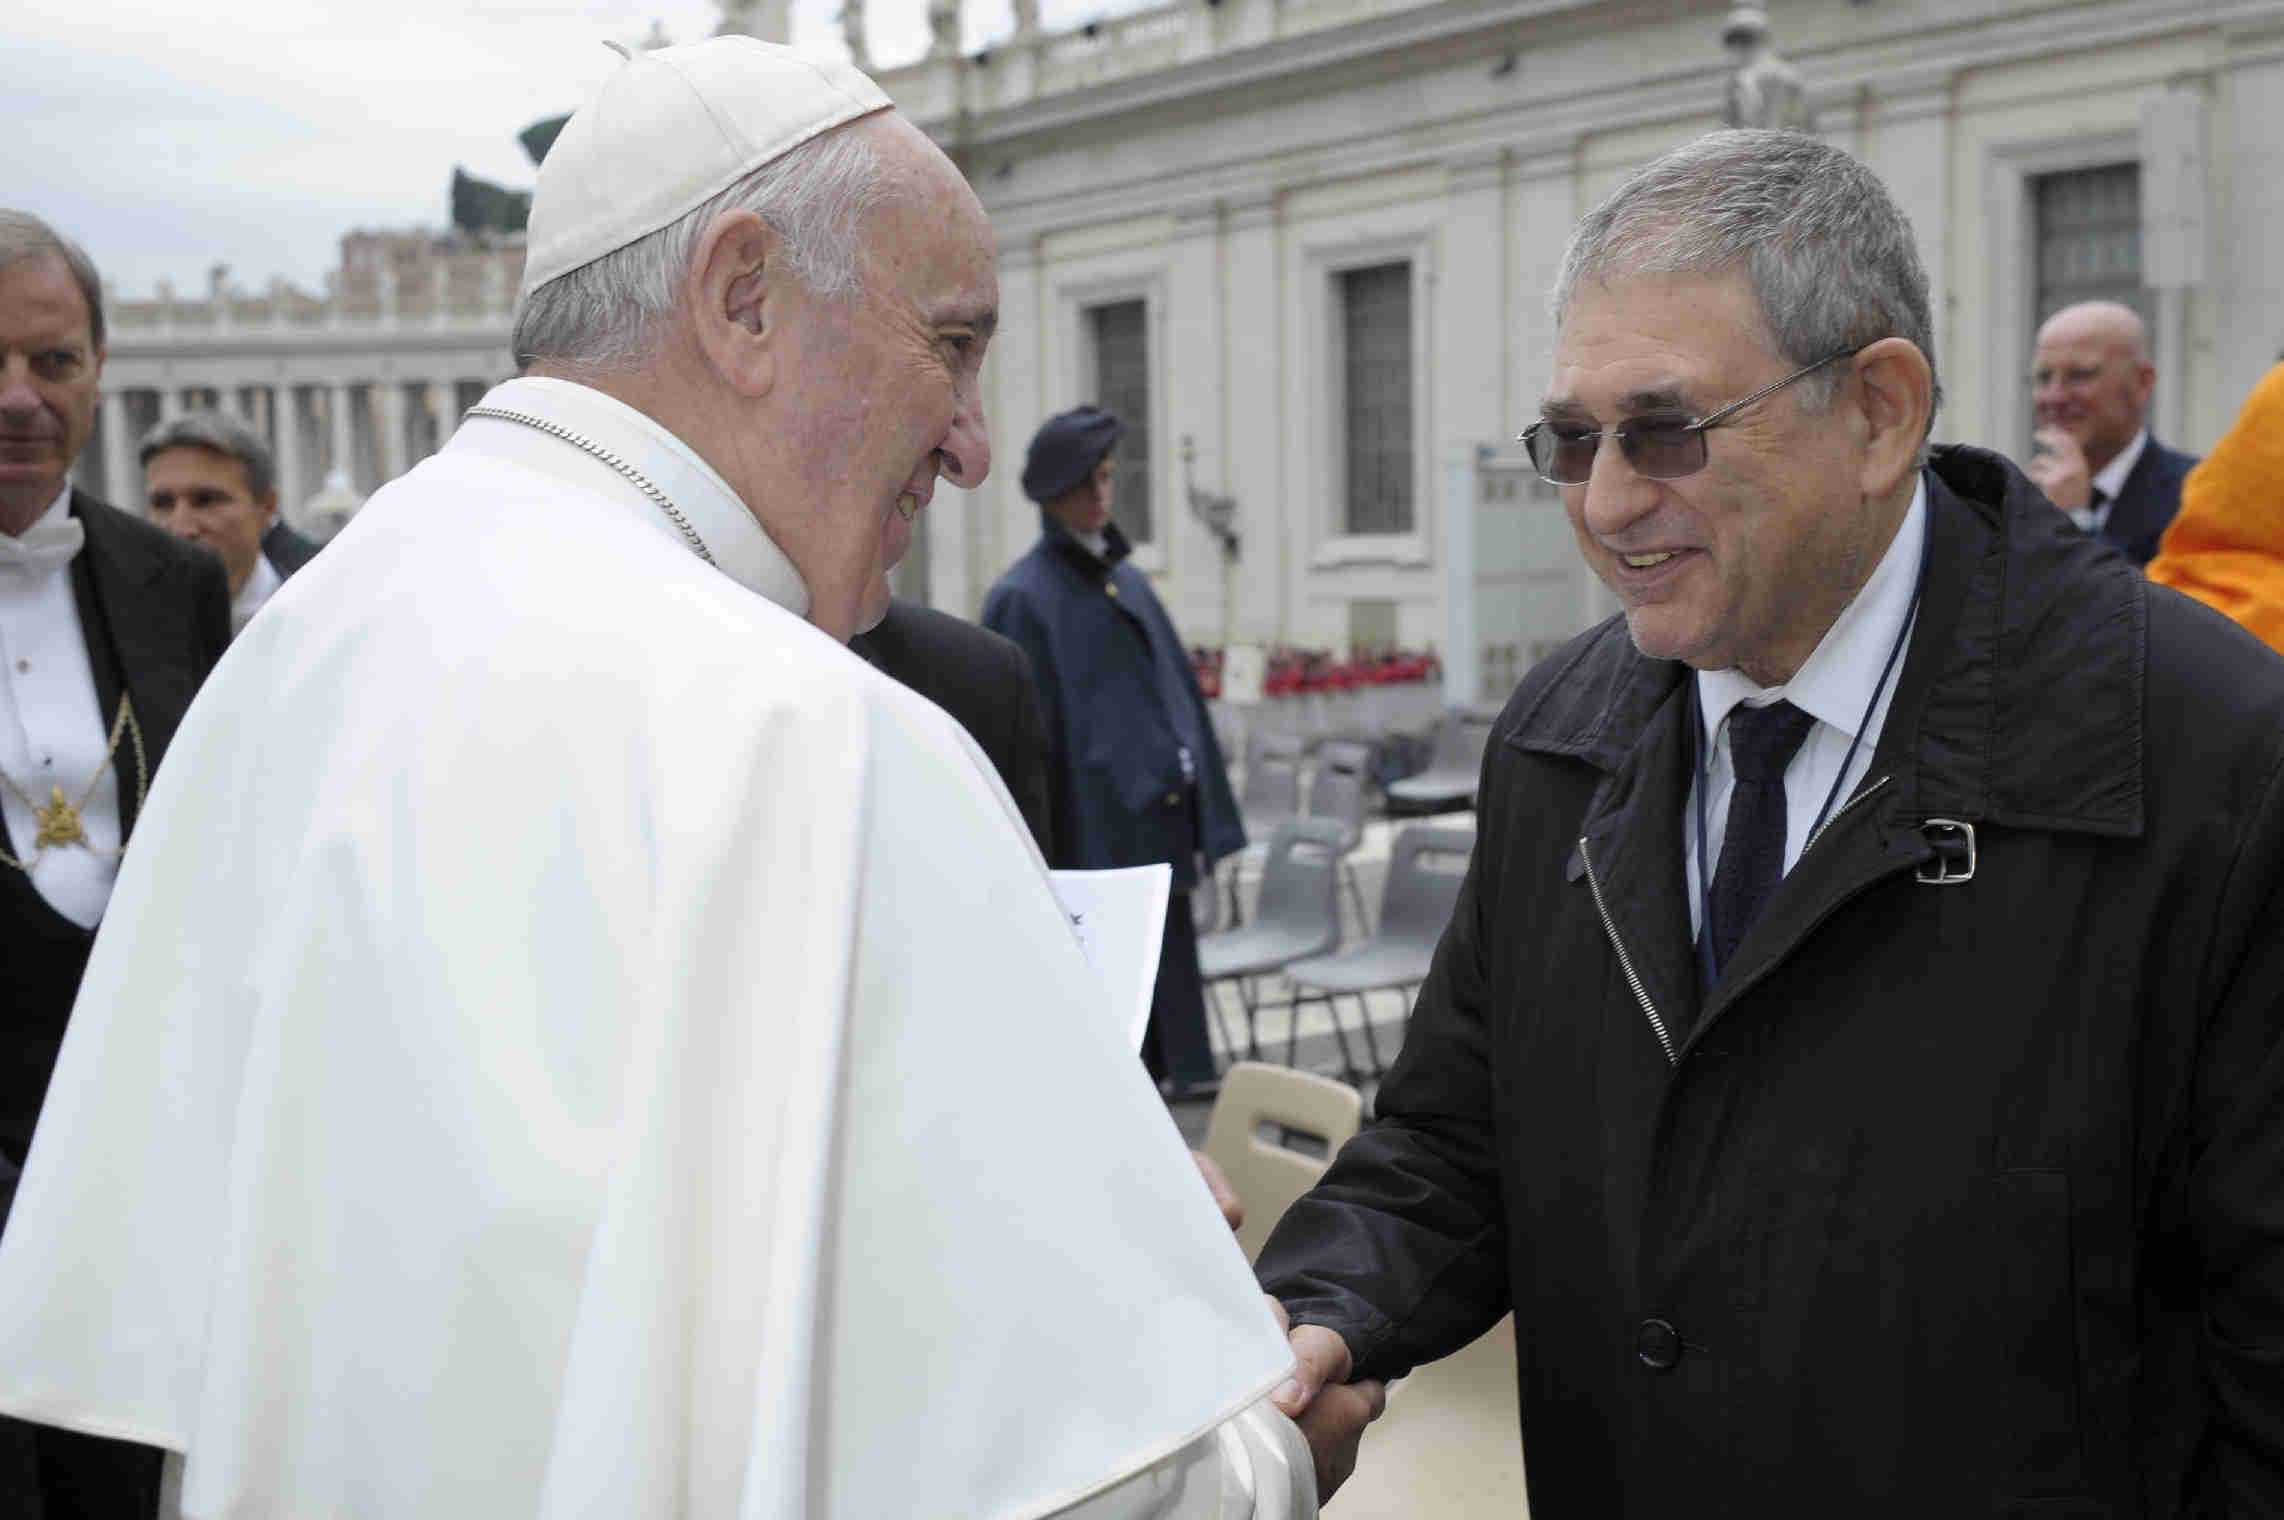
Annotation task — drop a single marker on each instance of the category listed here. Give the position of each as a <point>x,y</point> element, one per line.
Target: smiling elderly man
<point>529,1069</point>
<point>1855,1057</point>
<point>2091,380</point>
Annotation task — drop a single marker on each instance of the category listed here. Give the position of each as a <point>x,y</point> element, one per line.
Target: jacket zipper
<point>1625,961</point>
<point>1835,818</point>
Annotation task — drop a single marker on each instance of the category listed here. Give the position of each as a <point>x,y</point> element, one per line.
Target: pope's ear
<point>1898,399</point>
<point>737,288</point>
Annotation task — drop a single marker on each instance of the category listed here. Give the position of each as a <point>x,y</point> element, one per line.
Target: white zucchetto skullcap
<point>670,130</point>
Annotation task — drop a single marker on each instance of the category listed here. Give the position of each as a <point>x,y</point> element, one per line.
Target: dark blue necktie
<point>1762,742</point>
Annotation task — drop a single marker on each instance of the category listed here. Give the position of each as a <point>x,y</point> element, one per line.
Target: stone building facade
<point>1303,246</point>
<point>1311,240</point>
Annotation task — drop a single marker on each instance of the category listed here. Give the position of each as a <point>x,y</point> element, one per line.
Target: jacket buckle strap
<point>1954,845</point>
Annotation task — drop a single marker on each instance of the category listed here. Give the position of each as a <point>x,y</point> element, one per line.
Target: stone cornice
<point>1899,61</point>
<point>1908,75</point>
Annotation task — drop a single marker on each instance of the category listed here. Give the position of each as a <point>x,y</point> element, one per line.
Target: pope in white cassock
<point>527,1067</point>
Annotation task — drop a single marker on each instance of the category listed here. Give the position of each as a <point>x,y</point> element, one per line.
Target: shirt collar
<point>55,511</point>
<point>741,549</point>
<point>2110,478</point>
<point>1835,683</point>
<point>260,583</point>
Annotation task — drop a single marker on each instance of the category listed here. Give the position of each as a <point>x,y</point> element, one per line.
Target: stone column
<point>389,419</point>
<point>1470,297</point>
<point>170,403</point>
<point>120,484</point>
<point>344,452</point>
<point>293,485</point>
<point>1907,142</point>
<point>445,396</point>
<point>1470,373</point>
<point>1270,534</point>
<point>1199,583</point>
<point>1017,372</point>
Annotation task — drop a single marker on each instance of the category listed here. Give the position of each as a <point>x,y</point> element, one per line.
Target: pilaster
<point>293,485</point>
<point>120,484</point>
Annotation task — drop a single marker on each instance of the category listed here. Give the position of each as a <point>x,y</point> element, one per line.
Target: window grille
<point>1376,413</point>
<point>2088,231</point>
<point>1121,333</point>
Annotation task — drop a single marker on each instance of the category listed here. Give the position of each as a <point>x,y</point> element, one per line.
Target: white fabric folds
<point>571,1040</point>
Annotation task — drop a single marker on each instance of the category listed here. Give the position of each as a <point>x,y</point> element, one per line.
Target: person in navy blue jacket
<point>1135,775</point>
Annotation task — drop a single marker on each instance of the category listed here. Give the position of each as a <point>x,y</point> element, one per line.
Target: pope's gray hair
<point>1832,261</point>
<point>217,433</point>
<point>604,315</point>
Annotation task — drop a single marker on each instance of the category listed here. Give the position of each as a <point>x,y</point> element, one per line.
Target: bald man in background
<point>2091,380</point>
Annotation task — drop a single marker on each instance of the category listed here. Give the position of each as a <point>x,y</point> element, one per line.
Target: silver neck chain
<point>640,481</point>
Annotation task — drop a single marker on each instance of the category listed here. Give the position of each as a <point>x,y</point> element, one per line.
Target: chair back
<point>1272,778</point>
<point>1459,744</point>
<point>1259,1109</point>
<point>1300,883</point>
<point>1425,867</point>
<point>1337,791</point>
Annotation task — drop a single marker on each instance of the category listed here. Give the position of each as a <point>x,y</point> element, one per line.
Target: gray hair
<point>217,433</point>
<point>1832,261</point>
<point>24,237</point>
<point>603,315</point>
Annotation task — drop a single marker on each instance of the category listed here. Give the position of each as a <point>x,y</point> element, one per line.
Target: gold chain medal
<point>59,821</point>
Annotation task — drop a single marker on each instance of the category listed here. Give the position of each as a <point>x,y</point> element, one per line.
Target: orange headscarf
<point>2226,548</point>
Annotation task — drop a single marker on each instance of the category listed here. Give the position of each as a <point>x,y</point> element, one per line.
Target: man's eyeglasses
<point>1661,445</point>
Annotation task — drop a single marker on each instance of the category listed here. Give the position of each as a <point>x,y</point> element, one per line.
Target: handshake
<point>1330,1410</point>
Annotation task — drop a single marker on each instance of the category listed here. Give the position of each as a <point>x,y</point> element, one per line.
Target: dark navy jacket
<point>2147,501</point>
<point>1121,702</point>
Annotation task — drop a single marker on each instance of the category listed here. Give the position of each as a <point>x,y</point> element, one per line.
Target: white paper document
<point>1120,920</point>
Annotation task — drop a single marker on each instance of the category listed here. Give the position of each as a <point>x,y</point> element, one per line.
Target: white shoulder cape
<point>571,1040</point>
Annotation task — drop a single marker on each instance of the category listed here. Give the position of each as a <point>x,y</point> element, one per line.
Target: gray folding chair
<point>1272,786</point>
<point>1338,792</point>
<point>1449,780</point>
<point>1271,793</point>
<point>1298,916</point>
<point>1425,868</point>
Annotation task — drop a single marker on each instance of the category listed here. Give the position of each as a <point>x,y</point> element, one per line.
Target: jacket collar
<point>2024,617</point>
<point>1065,543</point>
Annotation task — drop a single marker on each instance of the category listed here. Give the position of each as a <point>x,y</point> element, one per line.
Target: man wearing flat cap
<point>1135,775</point>
<point>526,1068</point>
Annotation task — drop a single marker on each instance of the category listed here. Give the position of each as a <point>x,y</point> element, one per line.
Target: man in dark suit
<point>207,478</point>
<point>982,680</point>
<point>286,549</point>
<point>2092,378</point>
<point>109,627</point>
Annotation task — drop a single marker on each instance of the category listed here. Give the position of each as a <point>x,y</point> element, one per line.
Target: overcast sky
<point>168,136</point>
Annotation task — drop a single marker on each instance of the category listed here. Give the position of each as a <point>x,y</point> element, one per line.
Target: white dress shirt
<point>2109,480</point>
<point>1832,686</point>
<point>54,734</point>
<point>259,586</point>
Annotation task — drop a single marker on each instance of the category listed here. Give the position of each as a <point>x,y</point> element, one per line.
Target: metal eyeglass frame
<point>1696,425</point>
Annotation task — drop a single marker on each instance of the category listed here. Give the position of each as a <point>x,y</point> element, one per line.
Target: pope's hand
<point>1331,1411</point>
<point>1217,1183</point>
<point>2059,469</point>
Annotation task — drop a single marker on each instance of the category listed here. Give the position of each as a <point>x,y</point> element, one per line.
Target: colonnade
<point>371,430</point>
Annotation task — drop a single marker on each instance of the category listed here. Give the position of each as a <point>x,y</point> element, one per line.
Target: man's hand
<point>1331,1411</point>
<point>1217,1183</point>
<point>2058,467</point>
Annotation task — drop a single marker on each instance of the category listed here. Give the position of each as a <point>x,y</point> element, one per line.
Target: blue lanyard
<point>1704,743</point>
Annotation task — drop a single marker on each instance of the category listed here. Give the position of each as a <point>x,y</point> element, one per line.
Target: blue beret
<point>1066,449</point>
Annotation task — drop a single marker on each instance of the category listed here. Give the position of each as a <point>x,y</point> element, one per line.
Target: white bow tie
<point>46,546</point>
